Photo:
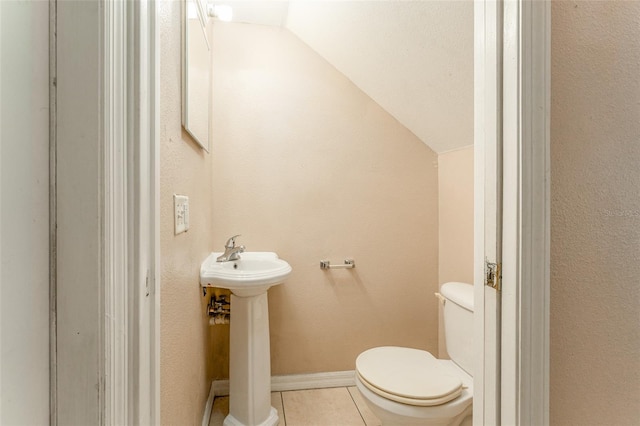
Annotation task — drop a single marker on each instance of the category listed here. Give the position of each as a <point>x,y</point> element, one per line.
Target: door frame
<point>106,311</point>
<point>487,206</point>
<point>511,387</point>
<point>131,189</point>
<point>512,103</point>
<point>526,213</point>
<point>132,212</point>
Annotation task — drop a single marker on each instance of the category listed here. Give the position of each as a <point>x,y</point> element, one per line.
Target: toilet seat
<point>408,376</point>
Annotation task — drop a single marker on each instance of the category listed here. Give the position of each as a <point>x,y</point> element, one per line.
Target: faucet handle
<point>231,242</point>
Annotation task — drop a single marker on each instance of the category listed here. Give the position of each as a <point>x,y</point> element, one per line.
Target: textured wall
<point>455,224</point>
<point>308,166</point>
<point>595,213</point>
<point>185,361</point>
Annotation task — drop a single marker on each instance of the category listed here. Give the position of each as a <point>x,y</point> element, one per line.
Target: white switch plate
<point>181,213</point>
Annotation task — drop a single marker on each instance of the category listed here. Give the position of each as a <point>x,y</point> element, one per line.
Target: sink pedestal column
<point>250,364</point>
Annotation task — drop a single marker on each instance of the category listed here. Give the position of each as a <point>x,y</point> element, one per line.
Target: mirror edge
<point>203,20</point>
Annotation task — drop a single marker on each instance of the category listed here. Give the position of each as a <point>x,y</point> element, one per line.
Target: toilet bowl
<point>406,386</point>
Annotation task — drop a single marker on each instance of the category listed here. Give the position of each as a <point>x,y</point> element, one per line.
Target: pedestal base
<point>250,364</point>
<point>272,420</point>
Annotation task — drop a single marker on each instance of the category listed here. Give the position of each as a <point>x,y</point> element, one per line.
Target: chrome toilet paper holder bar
<point>348,264</point>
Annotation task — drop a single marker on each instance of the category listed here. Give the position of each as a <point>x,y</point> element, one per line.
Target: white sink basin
<point>252,275</point>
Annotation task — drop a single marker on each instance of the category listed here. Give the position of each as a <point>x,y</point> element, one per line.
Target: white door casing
<point>524,342</point>
<point>526,212</point>
<point>512,65</point>
<point>146,223</point>
<point>134,395</point>
<point>107,158</point>
<point>487,207</point>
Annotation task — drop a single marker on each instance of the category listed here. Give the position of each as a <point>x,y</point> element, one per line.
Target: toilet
<point>405,386</point>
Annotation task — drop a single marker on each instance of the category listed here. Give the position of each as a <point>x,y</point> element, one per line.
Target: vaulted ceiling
<point>414,58</point>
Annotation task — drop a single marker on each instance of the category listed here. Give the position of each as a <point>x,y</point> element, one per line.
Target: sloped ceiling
<point>414,58</point>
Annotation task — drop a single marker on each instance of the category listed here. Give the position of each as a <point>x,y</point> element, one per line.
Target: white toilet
<point>404,386</point>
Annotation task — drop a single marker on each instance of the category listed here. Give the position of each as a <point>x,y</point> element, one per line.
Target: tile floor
<point>313,407</point>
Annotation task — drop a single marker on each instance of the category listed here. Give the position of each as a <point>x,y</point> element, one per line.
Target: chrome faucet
<point>231,252</point>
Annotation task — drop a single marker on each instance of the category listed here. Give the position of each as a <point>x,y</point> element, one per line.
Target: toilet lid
<point>408,376</point>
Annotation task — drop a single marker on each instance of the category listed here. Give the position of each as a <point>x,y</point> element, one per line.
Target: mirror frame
<point>202,139</point>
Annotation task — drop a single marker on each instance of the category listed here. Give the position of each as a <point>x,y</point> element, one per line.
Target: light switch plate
<point>181,213</point>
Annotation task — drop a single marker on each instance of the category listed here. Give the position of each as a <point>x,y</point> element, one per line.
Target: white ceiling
<point>414,58</point>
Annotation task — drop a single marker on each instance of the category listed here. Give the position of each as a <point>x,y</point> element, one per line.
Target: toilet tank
<point>458,323</point>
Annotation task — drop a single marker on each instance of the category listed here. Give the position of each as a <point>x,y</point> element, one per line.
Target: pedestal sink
<point>248,278</point>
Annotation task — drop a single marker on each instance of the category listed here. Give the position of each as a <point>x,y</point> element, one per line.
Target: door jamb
<point>107,105</point>
<point>523,387</point>
<point>487,206</point>
<point>526,213</point>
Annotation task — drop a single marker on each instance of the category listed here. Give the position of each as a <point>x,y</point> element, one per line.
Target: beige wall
<point>595,213</point>
<point>455,206</point>
<point>308,166</point>
<point>455,228</point>
<point>185,361</point>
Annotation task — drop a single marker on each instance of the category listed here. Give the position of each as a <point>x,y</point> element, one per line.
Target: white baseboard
<point>207,409</point>
<point>332,379</point>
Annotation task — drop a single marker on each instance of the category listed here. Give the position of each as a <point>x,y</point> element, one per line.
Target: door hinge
<point>493,275</point>
<point>146,285</point>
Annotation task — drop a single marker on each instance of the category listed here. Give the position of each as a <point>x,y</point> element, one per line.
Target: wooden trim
<point>487,206</point>
<point>521,363</point>
<point>289,382</point>
<point>53,210</point>
<point>313,381</point>
<point>131,154</point>
<point>107,103</point>
<point>206,416</point>
<point>154,216</point>
<point>525,332</point>
<point>116,238</point>
<point>144,354</point>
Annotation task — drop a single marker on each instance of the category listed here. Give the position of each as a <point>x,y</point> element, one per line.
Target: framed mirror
<point>196,72</point>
